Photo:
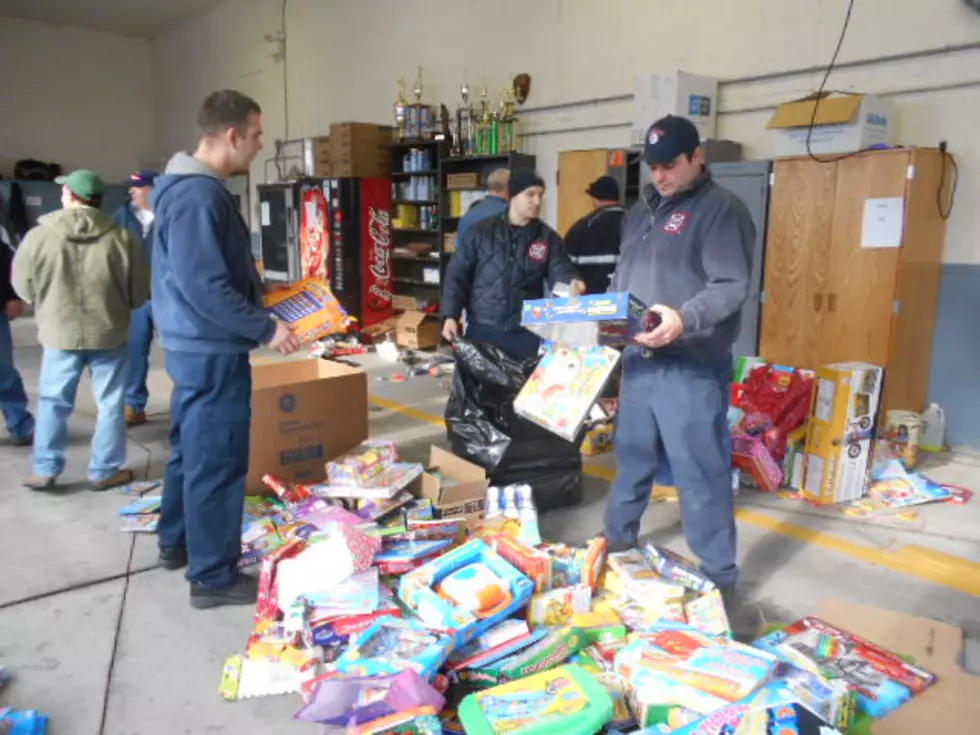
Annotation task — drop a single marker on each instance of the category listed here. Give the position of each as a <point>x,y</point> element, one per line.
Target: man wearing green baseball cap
<point>84,274</point>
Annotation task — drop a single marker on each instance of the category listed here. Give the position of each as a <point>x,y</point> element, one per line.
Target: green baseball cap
<point>83,183</point>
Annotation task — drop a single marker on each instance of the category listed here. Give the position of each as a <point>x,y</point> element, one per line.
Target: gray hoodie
<point>691,252</point>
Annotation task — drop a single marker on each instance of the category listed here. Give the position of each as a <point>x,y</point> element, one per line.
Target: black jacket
<point>498,266</point>
<point>593,245</point>
<point>7,292</point>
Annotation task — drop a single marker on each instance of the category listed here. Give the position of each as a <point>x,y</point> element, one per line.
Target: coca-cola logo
<point>379,295</point>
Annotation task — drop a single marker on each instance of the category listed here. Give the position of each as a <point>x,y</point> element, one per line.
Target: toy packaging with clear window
<point>310,309</point>
<point>611,319</point>
<point>393,644</point>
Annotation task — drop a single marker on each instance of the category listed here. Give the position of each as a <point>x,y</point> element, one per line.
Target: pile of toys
<point>22,722</point>
<point>404,622</point>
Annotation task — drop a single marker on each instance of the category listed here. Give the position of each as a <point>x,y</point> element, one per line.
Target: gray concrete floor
<point>107,645</point>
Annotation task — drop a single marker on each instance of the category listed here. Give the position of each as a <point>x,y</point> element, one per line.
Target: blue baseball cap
<point>143,177</point>
<point>668,138</point>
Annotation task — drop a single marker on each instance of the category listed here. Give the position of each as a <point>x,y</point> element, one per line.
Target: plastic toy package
<point>310,308</point>
<point>564,386</point>
<point>612,319</point>
<point>881,680</point>
<point>394,479</point>
<point>466,591</point>
<point>556,607</point>
<point>564,700</point>
<point>633,575</point>
<point>392,645</point>
<point>494,639</point>
<point>365,467</point>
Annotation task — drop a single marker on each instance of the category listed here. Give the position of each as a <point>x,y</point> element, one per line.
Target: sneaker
<point>744,618</point>
<point>40,482</point>
<point>244,591</point>
<point>135,416</point>
<point>122,477</point>
<point>172,557</point>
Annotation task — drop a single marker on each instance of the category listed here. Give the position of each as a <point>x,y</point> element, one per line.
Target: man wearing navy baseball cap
<point>137,217</point>
<point>685,251</point>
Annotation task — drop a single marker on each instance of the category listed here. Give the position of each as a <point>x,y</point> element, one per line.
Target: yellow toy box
<point>840,433</point>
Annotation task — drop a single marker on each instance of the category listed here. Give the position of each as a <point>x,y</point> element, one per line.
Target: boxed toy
<point>571,565</point>
<point>563,387</point>
<point>882,681</point>
<point>397,477</point>
<point>393,644</point>
<point>364,467</point>
<point>634,576</point>
<point>465,591</point>
<point>611,319</point>
<point>598,440</point>
<point>564,700</point>
<point>553,648</point>
<point>310,309</point>
<point>676,568</point>
<point>556,607</point>
<point>840,433</point>
<point>533,562</point>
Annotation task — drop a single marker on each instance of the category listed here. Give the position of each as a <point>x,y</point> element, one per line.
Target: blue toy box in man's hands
<point>611,319</point>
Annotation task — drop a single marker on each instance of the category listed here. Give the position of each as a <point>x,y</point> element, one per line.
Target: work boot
<point>744,618</point>
<point>244,591</point>
<point>135,416</point>
<point>23,441</point>
<point>40,482</point>
<point>617,547</point>
<point>122,477</point>
<point>172,557</point>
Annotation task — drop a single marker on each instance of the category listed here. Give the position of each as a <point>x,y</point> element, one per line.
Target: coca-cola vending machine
<point>359,246</point>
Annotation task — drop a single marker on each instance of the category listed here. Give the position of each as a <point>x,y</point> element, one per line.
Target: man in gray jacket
<point>686,249</point>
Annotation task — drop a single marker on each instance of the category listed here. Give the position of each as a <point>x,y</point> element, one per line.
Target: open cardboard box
<point>952,704</point>
<point>465,498</point>
<point>417,330</point>
<point>295,424</point>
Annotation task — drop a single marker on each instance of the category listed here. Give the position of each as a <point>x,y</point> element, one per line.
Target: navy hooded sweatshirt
<point>207,294</point>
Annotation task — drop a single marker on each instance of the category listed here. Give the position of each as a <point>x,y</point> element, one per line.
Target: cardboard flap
<point>831,111</point>
<point>952,704</point>
<point>412,319</point>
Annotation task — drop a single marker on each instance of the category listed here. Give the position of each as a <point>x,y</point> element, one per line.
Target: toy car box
<point>392,645</point>
<point>466,591</point>
<point>611,320</point>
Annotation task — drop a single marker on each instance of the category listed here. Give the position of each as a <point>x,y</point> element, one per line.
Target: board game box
<point>611,319</point>
<point>310,309</point>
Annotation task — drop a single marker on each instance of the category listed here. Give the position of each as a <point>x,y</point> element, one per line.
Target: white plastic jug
<point>933,437</point>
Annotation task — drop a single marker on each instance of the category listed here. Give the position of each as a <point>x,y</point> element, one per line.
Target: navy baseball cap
<point>604,188</point>
<point>143,177</point>
<point>668,138</point>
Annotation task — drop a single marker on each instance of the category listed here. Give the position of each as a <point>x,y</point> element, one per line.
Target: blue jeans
<point>204,484</point>
<point>678,407</point>
<point>140,339</point>
<point>13,399</point>
<point>60,372</point>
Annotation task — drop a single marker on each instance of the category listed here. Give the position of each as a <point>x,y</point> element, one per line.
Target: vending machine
<point>335,229</point>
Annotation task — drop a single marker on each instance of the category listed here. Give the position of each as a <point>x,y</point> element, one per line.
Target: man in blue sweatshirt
<point>207,304</point>
<point>686,251</point>
<point>136,215</point>
<point>493,205</point>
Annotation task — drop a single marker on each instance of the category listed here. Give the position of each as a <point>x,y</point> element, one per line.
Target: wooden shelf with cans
<point>440,161</point>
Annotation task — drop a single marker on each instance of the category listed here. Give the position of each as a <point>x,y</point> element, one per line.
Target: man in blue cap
<point>686,251</point>
<point>137,217</point>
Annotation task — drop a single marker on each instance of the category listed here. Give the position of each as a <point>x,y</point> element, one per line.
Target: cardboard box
<point>840,433</point>
<point>400,302</point>
<point>674,93</point>
<point>463,181</point>
<point>464,493</point>
<point>844,124</point>
<point>360,149</point>
<point>316,156</point>
<point>417,330</point>
<point>294,425</point>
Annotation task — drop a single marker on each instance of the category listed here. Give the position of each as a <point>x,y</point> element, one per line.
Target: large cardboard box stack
<point>295,430</point>
<point>843,124</point>
<point>360,149</point>
<point>674,93</point>
<point>455,487</point>
<point>840,434</point>
<point>316,155</point>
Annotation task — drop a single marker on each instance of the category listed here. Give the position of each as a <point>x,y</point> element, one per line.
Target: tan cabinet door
<point>576,170</point>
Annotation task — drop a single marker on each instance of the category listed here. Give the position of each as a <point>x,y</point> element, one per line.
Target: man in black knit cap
<point>499,263</point>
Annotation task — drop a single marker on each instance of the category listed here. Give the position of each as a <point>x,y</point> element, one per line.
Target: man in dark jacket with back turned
<point>207,301</point>
<point>501,262</point>
<point>136,215</point>
<point>593,241</point>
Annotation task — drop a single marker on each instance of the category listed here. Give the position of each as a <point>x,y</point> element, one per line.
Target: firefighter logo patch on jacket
<point>677,223</point>
<point>538,251</point>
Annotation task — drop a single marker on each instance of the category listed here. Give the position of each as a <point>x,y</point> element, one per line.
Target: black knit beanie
<point>524,178</point>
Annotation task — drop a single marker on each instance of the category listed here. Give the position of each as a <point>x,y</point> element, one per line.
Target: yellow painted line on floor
<point>914,560</point>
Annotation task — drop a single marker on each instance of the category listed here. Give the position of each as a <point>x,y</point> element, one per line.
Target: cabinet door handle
<point>831,302</point>
<point>817,301</point>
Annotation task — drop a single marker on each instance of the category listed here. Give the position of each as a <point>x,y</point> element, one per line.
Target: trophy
<point>507,130</point>
<point>486,125</point>
<point>400,110</point>
<point>465,141</point>
<point>419,114</point>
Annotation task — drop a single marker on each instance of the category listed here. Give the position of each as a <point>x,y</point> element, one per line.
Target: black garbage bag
<point>484,429</point>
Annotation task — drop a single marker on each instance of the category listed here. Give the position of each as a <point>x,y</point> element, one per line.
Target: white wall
<point>75,97</point>
<point>344,58</point>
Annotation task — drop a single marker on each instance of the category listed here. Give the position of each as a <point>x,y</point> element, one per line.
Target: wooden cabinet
<point>827,298</point>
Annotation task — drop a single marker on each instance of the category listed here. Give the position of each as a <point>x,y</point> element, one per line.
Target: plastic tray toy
<point>566,700</point>
<point>466,591</point>
<point>394,644</point>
